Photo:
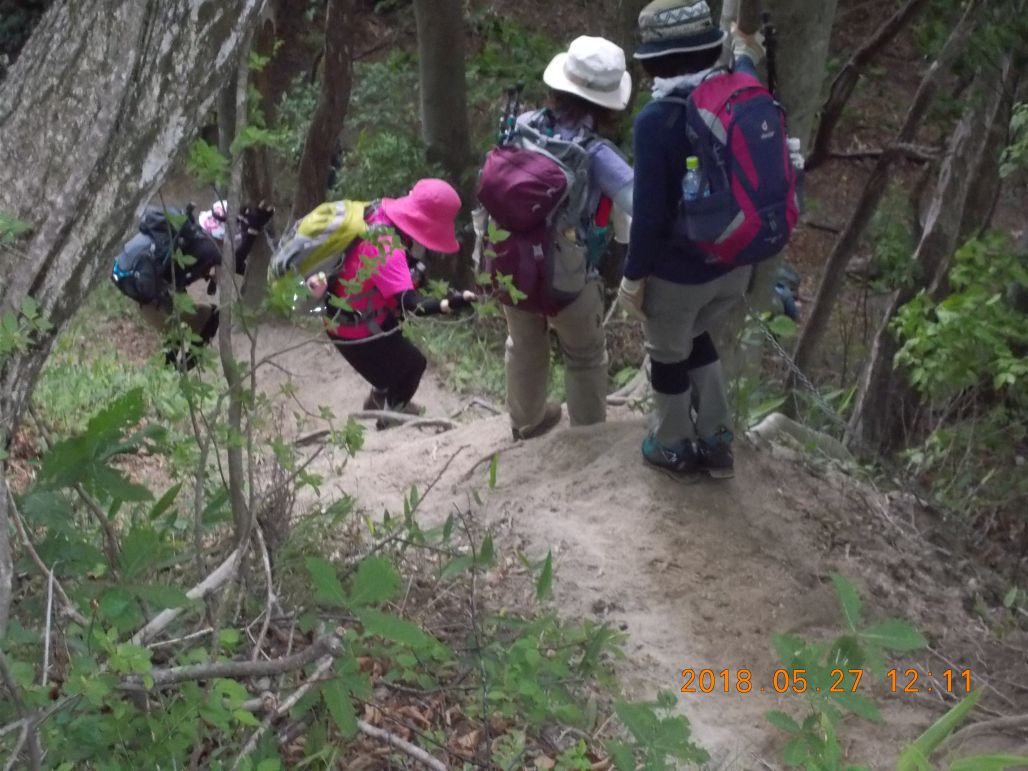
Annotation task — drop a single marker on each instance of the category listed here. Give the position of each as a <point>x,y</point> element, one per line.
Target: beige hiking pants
<point>579,329</point>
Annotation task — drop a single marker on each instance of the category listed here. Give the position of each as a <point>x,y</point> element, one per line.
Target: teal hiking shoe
<point>715,455</point>
<point>679,459</point>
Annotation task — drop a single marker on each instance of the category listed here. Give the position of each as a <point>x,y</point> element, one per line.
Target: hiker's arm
<point>417,304</point>
<point>651,220</point>
<point>252,221</point>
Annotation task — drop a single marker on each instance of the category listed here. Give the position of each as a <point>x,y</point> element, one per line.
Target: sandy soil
<point>698,575</point>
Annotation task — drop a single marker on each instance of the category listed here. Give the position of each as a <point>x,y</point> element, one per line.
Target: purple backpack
<point>737,130</point>
<point>535,190</point>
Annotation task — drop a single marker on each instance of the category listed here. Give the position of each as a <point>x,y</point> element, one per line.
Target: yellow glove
<point>631,295</point>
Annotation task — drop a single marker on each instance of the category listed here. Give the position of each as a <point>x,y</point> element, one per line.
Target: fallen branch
<point>405,747</point>
<point>269,607</point>
<point>917,153</point>
<point>284,707</point>
<point>996,725</point>
<point>325,645</point>
<point>211,584</point>
<point>402,418</point>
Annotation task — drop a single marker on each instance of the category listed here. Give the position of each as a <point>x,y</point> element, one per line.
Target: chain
<point>805,381</point>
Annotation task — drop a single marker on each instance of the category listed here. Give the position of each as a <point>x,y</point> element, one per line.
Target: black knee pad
<point>703,351</point>
<point>670,378</point>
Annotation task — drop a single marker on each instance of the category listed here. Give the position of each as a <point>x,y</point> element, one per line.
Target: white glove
<point>631,295</point>
<point>747,45</point>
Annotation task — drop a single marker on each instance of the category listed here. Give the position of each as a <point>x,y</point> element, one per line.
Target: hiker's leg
<point>709,395</point>
<point>670,318</point>
<point>583,343</point>
<point>409,365</point>
<point>527,361</point>
<point>369,359</point>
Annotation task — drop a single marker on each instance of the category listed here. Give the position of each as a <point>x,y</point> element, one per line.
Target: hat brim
<point>680,45</point>
<point>446,243</point>
<point>555,78</point>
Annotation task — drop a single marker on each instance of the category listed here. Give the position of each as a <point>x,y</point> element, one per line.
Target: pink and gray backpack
<point>737,130</point>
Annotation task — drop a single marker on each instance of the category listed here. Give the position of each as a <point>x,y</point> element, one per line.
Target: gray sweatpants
<point>579,329</point>
<point>675,315</point>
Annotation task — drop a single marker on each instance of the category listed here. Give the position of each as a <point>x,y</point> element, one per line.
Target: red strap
<point>603,211</point>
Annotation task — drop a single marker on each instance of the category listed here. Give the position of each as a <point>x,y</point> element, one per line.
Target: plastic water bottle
<point>692,184</point>
<point>795,155</point>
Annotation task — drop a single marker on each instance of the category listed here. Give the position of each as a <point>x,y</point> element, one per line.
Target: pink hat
<point>427,214</point>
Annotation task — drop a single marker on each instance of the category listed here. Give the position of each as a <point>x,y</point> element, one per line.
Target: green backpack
<point>318,242</point>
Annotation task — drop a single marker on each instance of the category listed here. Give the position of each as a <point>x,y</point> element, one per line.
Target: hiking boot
<point>680,459</point>
<point>551,417</point>
<point>376,400</point>
<point>715,455</point>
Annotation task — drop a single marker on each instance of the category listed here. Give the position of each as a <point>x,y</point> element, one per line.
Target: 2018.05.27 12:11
<point>907,680</point>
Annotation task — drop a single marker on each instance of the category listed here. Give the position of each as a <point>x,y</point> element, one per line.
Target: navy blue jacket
<point>661,146</point>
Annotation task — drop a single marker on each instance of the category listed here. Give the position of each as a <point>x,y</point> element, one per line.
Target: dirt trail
<point>698,575</point>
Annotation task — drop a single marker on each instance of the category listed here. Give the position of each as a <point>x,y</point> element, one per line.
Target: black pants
<point>392,364</point>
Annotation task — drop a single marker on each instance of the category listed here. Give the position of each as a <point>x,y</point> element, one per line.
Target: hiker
<point>147,272</point>
<point>678,288</point>
<point>588,84</point>
<point>376,281</point>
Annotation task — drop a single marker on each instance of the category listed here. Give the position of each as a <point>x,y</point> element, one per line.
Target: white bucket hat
<point>594,69</point>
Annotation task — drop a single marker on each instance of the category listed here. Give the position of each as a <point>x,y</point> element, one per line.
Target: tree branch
<point>404,746</point>
<point>327,644</point>
<point>846,80</point>
<point>210,584</point>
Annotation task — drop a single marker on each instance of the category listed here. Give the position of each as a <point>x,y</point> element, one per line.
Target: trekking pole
<point>770,49</point>
<point>518,88</point>
<point>505,117</point>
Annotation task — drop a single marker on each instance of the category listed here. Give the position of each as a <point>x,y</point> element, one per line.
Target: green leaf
<point>327,589</point>
<point>376,581</point>
<point>340,707</point>
<point>160,595</point>
<point>915,754</point>
<point>989,763</point>
<point>165,501</point>
<point>456,566</point>
<point>117,486</point>
<point>485,553</point>
<point>782,326</point>
<point>795,752</point>
<point>140,549</point>
<point>492,471</point>
<point>245,718</point>
<point>622,755</point>
<point>1010,598</point>
<point>544,584</point>
<point>849,601</point>
<point>858,704</point>
<point>895,635</point>
<point>783,722</point>
<point>392,628</point>
<point>270,764</point>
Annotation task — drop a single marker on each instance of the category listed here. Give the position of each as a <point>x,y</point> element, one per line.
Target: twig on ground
<point>1006,699</point>
<point>269,608</point>
<point>185,638</point>
<point>323,666</point>
<point>49,620</point>
<point>478,401</point>
<point>405,747</point>
<point>996,725</point>
<point>402,418</point>
<point>327,644</point>
<point>210,584</point>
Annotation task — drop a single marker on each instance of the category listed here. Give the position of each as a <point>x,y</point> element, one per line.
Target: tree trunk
<point>816,324</point>
<point>281,38</point>
<point>884,427</point>
<point>327,123</point>
<point>103,98</point>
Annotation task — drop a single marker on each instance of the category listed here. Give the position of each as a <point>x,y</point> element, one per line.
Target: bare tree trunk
<point>444,103</point>
<point>846,80</point>
<point>281,38</point>
<point>327,123</point>
<point>947,224</point>
<point>123,86</point>
<point>816,325</point>
<point>227,300</point>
